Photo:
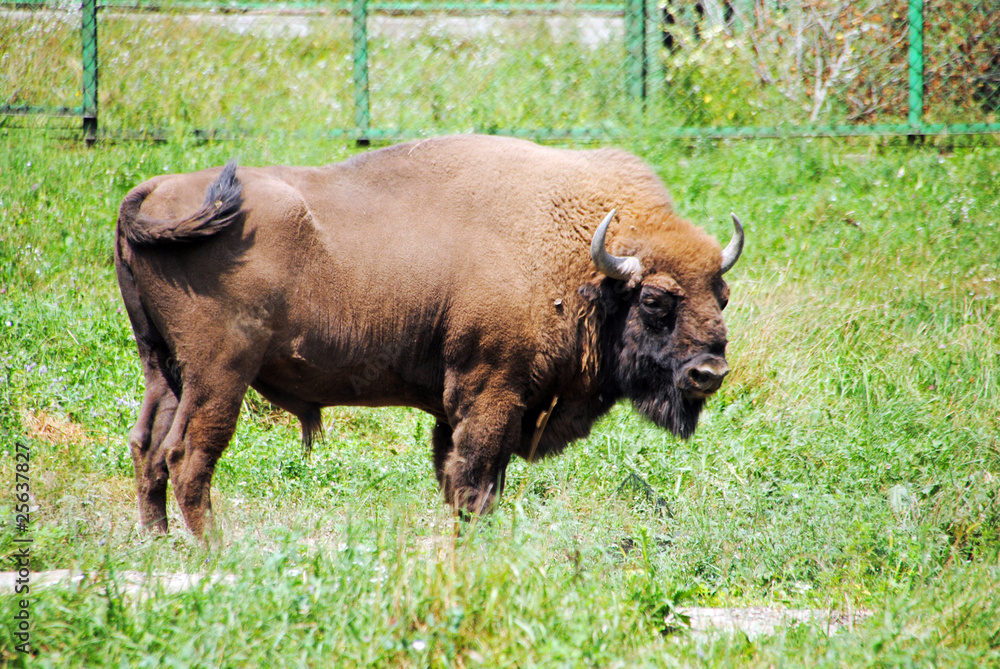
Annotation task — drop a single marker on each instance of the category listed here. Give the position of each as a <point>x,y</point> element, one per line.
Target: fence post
<point>654,42</point>
<point>916,65</point>
<point>636,62</point>
<point>88,38</point>
<point>359,36</point>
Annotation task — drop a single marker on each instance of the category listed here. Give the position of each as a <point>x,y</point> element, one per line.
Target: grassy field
<point>850,462</point>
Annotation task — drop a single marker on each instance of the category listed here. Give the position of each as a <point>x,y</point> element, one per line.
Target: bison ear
<point>590,292</point>
<point>723,294</point>
<point>605,294</point>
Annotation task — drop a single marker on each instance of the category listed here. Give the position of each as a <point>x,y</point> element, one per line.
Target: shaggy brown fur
<point>452,275</point>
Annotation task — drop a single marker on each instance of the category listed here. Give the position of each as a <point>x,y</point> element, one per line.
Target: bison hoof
<point>471,502</point>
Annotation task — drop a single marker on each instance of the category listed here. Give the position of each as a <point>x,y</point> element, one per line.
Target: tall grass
<point>850,461</point>
<point>171,73</point>
<point>180,69</point>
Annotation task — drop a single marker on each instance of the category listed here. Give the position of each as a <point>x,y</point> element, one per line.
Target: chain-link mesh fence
<point>962,69</point>
<point>41,66</point>
<point>184,68</point>
<point>369,69</point>
<point>821,65</point>
<point>526,72</point>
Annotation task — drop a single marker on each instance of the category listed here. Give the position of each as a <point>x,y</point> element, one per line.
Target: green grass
<point>851,460</point>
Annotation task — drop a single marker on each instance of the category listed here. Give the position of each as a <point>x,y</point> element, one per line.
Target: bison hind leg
<point>203,425</point>
<point>159,405</point>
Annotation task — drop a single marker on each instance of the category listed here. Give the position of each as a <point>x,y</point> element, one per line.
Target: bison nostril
<point>708,377</point>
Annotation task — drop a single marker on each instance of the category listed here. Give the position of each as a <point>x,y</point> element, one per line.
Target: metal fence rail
<point>367,69</point>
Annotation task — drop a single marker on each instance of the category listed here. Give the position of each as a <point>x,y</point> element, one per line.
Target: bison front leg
<point>443,446</point>
<point>485,434</point>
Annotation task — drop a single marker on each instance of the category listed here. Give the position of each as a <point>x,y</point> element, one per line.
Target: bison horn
<point>627,268</point>
<point>735,247</point>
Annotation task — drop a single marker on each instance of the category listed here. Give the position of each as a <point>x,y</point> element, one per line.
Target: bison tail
<point>221,207</point>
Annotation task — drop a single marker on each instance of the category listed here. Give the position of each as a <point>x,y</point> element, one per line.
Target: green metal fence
<point>368,69</point>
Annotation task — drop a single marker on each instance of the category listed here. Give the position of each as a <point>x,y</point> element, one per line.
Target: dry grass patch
<point>53,429</point>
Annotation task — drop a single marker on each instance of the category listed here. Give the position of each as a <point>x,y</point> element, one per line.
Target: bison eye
<point>658,308</point>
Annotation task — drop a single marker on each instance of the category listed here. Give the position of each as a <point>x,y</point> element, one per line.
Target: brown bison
<point>465,276</point>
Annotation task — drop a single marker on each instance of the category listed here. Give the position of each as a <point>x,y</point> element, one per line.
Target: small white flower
<point>419,645</point>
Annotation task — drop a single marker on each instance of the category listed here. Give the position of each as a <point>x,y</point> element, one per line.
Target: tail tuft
<point>222,205</point>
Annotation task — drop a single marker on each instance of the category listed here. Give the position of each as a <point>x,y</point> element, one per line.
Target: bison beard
<point>470,277</point>
<point>650,382</point>
<point>667,407</point>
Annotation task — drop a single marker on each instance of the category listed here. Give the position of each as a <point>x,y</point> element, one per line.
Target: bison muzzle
<point>470,277</point>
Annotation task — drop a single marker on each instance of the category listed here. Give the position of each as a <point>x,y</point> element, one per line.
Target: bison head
<point>664,339</point>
